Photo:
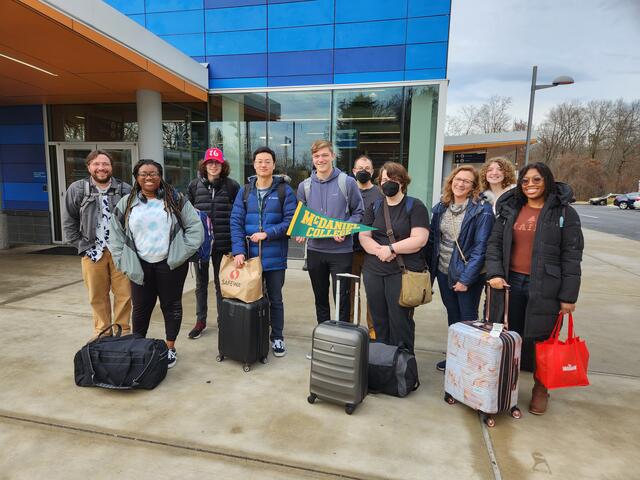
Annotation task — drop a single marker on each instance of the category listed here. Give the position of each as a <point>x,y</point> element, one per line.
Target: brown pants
<point>100,277</point>
<point>356,269</point>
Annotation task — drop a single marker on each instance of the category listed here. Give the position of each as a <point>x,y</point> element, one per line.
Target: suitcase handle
<point>118,333</point>
<point>356,305</point>
<point>507,290</point>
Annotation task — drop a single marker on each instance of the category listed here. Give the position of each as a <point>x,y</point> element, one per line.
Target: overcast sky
<point>494,44</point>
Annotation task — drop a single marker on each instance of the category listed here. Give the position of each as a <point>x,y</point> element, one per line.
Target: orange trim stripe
<point>478,146</point>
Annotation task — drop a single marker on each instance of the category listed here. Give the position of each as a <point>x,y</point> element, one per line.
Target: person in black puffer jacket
<point>536,247</point>
<point>212,192</point>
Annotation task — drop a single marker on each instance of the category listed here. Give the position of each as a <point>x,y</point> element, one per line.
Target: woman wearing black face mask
<point>409,221</point>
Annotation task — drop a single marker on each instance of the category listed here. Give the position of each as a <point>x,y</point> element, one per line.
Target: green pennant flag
<point>307,223</point>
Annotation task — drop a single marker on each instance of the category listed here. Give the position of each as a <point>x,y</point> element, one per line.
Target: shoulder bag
<point>416,286</point>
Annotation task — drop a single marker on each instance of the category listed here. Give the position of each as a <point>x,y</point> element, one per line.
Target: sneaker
<point>172,357</point>
<point>196,331</point>
<point>440,366</point>
<point>308,356</point>
<point>279,349</point>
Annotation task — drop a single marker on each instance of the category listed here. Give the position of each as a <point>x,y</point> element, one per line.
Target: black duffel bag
<point>392,370</point>
<point>121,362</point>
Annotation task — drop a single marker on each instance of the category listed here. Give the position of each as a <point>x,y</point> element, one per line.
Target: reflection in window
<point>238,127</point>
<point>296,120</point>
<point>367,122</point>
<point>93,123</point>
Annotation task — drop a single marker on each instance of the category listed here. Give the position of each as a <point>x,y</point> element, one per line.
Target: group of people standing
<point>489,226</point>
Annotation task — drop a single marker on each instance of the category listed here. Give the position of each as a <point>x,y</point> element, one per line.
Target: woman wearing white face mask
<point>497,176</point>
<point>409,220</point>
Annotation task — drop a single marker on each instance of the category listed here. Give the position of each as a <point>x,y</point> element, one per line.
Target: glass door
<point>71,163</point>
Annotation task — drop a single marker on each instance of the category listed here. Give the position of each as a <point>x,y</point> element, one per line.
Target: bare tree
<point>598,117</point>
<point>494,115</point>
<point>519,125</point>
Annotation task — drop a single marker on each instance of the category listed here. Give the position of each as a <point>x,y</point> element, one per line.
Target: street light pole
<point>561,80</point>
<point>534,77</point>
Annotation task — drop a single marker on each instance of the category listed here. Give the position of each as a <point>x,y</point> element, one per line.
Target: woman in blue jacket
<point>460,228</point>
<point>262,211</point>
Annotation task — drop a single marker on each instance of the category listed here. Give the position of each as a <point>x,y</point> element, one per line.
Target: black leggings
<point>159,281</point>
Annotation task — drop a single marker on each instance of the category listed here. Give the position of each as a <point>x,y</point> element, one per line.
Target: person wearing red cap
<point>212,192</point>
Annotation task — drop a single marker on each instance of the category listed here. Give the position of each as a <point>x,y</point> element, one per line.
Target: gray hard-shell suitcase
<point>339,357</point>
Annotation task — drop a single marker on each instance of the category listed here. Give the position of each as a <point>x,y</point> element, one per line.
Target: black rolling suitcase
<point>340,357</point>
<point>243,331</point>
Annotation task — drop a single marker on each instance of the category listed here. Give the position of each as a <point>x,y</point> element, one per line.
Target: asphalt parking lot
<point>610,219</point>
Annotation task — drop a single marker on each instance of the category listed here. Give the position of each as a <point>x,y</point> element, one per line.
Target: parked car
<point>626,200</point>
<point>603,200</point>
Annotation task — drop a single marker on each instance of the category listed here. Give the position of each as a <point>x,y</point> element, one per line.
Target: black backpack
<point>392,370</point>
<point>121,362</point>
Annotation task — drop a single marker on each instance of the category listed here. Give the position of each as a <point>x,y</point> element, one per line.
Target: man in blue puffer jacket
<point>262,211</point>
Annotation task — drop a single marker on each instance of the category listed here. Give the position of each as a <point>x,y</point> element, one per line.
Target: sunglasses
<point>532,180</point>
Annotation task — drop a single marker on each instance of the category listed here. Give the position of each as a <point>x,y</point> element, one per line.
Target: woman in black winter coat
<point>212,192</point>
<point>536,248</point>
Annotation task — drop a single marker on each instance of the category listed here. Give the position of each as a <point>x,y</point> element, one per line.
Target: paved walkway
<point>212,420</point>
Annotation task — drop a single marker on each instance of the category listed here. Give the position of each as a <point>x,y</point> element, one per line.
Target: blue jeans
<point>274,280</point>
<point>461,306</point>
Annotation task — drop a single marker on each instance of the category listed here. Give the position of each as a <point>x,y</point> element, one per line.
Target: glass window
<point>296,120</point>
<point>367,122</point>
<point>93,123</point>
<point>238,125</point>
<point>419,139</point>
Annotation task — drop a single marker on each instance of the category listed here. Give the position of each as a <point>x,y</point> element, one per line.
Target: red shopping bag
<point>562,364</point>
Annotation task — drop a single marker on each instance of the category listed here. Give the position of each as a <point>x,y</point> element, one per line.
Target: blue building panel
<point>152,6</point>
<point>238,66</point>
<point>428,29</point>
<point>426,74</point>
<point>127,7</point>
<point>19,155</point>
<point>21,134</point>
<point>139,18</point>
<point>235,43</point>
<point>301,38</point>
<point>192,44</point>
<point>300,80</point>
<point>295,14</point>
<point>238,82</point>
<point>426,55</point>
<point>313,62</point>
<point>424,8</point>
<point>369,34</point>
<point>391,76</point>
<point>232,3</point>
<point>372,59</point>
<point>367,10</point>
<point>25,172</point>
<point>173,23</point>
<point>238,18</point>
<point>23,115</point>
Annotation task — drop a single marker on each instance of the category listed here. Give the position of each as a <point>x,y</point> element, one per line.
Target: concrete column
<point>4,232</point>
<point>422,143</point>
<point>149,106</point>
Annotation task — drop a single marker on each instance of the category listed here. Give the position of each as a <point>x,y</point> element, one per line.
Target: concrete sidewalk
<point>212,420</point>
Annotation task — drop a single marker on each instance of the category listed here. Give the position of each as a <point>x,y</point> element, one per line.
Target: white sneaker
<point>279,348</point>
<point>172,358</point>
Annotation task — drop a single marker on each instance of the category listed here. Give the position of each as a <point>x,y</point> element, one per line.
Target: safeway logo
<point>569,368</point>
<point>234,274</point>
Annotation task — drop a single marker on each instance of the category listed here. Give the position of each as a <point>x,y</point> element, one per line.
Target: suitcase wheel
<point>349,408</point>
<point>516,412</point>
<point>246,367</point>
<point>449,399</point>
<point>311,398</point>
<point>264,360</point>
<point>489,421</point>
<point>219,358</point>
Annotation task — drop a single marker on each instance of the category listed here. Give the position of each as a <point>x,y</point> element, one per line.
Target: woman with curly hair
<point>497,175</point>
<point>460,227</point>
<point>154,231</point>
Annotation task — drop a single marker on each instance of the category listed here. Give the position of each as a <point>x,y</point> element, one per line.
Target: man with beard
<point>87,209</point>
<point>363,172</point>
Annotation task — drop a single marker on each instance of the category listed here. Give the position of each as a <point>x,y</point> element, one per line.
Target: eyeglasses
<point>463,181</point>
<point>148,175</point>
<point>532,180</point>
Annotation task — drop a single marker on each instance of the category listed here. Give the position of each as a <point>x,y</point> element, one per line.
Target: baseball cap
<point>213,155</point>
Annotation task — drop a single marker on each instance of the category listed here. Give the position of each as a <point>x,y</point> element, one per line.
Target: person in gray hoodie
<point>332,193</point>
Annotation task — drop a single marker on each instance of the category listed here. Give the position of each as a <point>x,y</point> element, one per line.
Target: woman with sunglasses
<point>536,248</point>
<point>154,231</point>
<point>460,227</point>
